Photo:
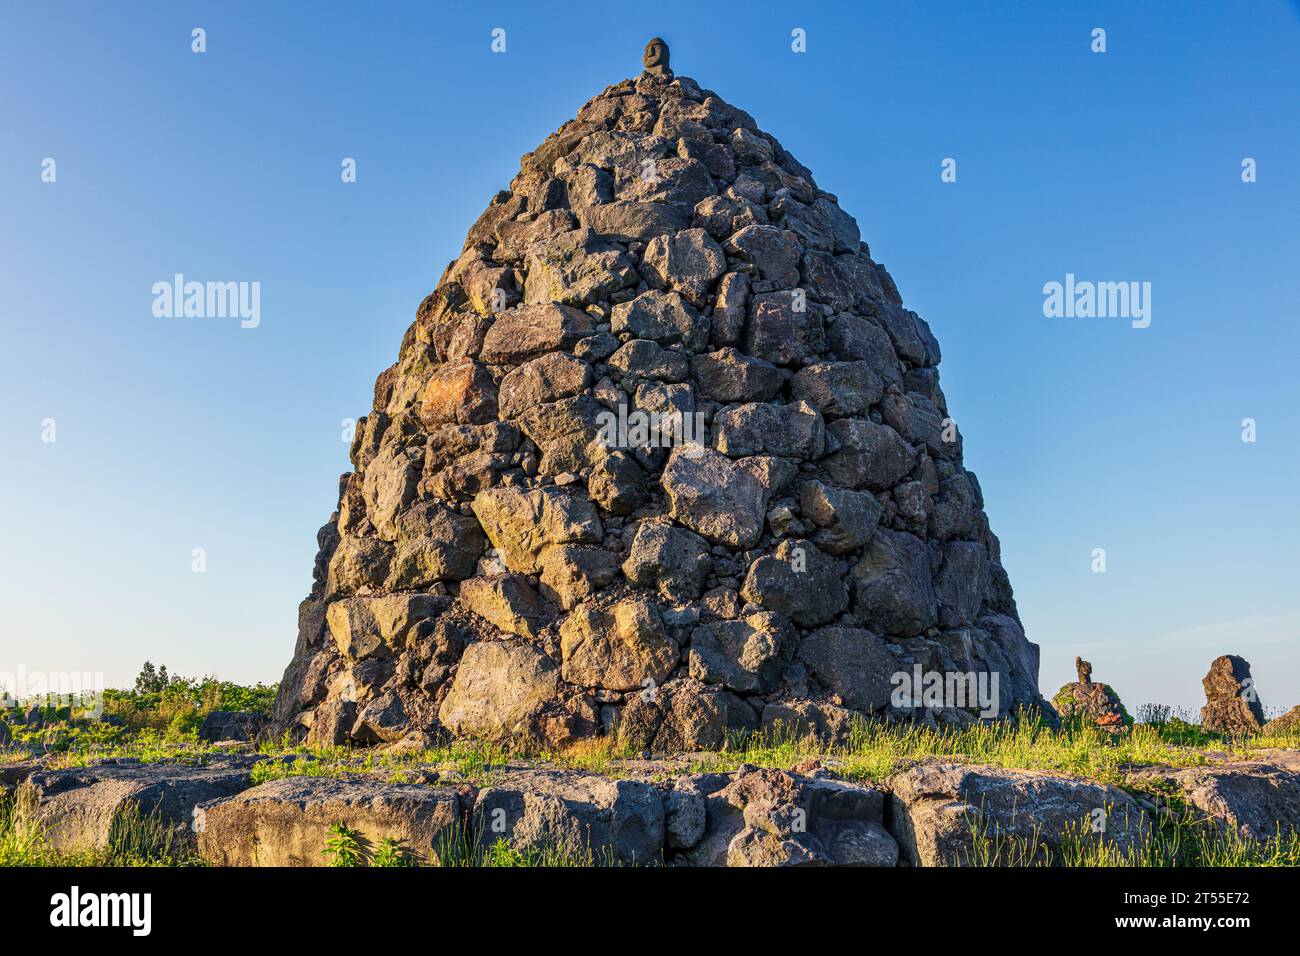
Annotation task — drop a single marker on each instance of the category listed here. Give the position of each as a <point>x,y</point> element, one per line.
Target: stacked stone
<point>498,567</point>
<point>1091,701</point>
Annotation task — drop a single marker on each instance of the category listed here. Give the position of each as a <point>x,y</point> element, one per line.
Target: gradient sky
<point>176,434</point>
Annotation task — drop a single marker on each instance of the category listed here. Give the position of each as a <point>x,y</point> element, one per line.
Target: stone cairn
<point>1097,703</point>
<point>1231,704</point>
<point>518,555</point>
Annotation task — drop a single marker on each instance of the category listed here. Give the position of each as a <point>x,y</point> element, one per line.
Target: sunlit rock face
<point>663,456</point>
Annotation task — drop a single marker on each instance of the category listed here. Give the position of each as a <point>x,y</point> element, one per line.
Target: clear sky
<point>177,434</point>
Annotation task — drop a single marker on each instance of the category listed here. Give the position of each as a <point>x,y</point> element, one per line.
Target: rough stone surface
<point>1231,704</point>
<point>851,663</point>
<point>715,497</point>
<point>506,601</point>
<point>80,808</point>
<point>656,811</point>
<point>1257,799</point>
<point>612,821</point>
<point>498,687</point>
<point>657,261</point>
<point>936,809</point>
<point>231,725</point>
<point>287,822</point>
<point>778,818</point>
<point>672,560</point>
<point>620,647</point>
<point>747,655</point>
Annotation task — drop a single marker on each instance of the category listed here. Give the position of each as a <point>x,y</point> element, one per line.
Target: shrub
<point>343,848</point>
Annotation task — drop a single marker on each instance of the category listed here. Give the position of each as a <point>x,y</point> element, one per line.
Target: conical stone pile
<point>662,455</point>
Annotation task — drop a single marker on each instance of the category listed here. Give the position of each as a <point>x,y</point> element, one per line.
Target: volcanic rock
<point>1231,703</point>
<point>502,563</point>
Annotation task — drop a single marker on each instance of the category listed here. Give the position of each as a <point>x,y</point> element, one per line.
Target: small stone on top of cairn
<point>1097,703</point>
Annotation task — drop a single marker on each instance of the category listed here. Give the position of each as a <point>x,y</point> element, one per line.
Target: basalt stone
<point>545,379</point>
<point>790,431</point>
<point>434,543</point>
<point>574,572</point>
<point>530,331</point>
<point>852,663</point>
<point>576,268</point>
<point>780,331</point>
<point>621,647</point>
<point>721,216</point>
<point>634,221</point>
<point>730,309</point>
<point>617,484</point>
<point>662,454</point>
<point>672,560</point>
<point>870,455</point>
<point>687,262</point>
<point>365,626</point>
<point>747,655</point>
<point>845,520</point>
<point>462,392</point>
<point>774,253</point>
<point>892,585</point>
<point>729,375</point>
<point>1231,703</point>
<point>799,581</point>
<point>715,497</point>
<point>641,358</point>
<point>838,389</point>
<point>498,687</point>
<point>506,601</point>
<point>853,338</point>
<point>675,181</point>
<point>358,564</point>
<point>663,317</point>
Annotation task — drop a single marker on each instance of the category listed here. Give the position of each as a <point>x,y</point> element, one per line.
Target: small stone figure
<point>655,58</point>
<point>1097,703</point>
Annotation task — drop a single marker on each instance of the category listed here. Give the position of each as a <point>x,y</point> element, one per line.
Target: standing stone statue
<point>1096,703</point>
<point>655,58</point>
<point>1231,704</point>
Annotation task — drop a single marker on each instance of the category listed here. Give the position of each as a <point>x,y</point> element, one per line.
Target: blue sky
<point>177,434</point>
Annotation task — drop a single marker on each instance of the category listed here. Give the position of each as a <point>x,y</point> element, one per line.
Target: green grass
<point>1181,839</point>
<point>476,762</point>
<point>159,709</point>
<point>135,839</point>
<point>875,751</point>
<point>459,849</point>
